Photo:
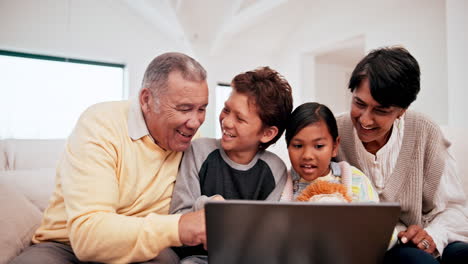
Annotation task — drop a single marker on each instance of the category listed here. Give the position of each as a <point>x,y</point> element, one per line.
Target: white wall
<point>457,59</point>
<point>110,31</point>
<point>332,86</point>
<point>419,25</point>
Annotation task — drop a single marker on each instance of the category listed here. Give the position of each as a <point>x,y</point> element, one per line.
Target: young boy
<point>237,165</point>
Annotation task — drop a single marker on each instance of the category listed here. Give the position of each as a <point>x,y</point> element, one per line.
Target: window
<point>223,91</point>
<point>43,97</point>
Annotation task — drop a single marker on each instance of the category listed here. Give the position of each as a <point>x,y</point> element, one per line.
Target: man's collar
<point>136,122</point>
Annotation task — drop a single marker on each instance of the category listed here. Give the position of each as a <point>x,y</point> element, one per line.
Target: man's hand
<point>217,197</point>
<point>192,229</point>
<point>419,237</point>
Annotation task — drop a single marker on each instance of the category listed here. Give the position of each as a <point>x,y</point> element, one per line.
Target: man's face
<point>174,118</point>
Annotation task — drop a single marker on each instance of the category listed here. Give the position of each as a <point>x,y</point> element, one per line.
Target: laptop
<point>298,232</point>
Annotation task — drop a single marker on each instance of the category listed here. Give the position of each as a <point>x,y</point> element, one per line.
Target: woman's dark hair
<point>308,114</point>
<point>393,74</point>
<point>270,93</point>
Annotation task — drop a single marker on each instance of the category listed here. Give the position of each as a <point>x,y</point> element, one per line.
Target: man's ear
<point>269,133</point>
<point>336,144</point>
<point>145,98</point>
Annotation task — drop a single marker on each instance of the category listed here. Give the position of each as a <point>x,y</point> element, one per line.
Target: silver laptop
<point>266,232</point>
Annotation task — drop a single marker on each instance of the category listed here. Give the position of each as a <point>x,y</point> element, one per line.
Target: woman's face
<point>372,121</point>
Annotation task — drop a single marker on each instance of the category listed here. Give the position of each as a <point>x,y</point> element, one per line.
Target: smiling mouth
<point>228,134</point>
<point>184,135</point>
<point>308,166</point>
<point>367,128</point>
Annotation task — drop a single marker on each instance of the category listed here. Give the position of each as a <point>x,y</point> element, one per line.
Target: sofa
<point>27,173</point>
<point>27,176</point>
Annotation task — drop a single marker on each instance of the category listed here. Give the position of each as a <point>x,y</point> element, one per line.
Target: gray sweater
<point>206,171</point>
<point>418,170</point>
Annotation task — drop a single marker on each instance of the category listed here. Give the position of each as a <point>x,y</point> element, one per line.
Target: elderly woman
<point>406,157</point>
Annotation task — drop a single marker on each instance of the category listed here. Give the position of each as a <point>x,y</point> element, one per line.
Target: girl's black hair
<point>307,114</point>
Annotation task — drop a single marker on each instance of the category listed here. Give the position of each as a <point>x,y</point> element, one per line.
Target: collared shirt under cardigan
<point>113,189</point>
<point>444,213</point>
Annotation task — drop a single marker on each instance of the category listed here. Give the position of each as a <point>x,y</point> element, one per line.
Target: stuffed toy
<point>321,190</point>
<point>324,191</point>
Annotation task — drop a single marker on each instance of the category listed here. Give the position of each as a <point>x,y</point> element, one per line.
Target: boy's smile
<point>227,134</point>
<point>241,127</point>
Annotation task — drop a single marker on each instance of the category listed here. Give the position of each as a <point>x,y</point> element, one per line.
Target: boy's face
<point>241,128</point>
<point>311,150</point>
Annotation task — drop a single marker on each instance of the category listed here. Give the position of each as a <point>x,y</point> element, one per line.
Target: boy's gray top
<point>206,170</point>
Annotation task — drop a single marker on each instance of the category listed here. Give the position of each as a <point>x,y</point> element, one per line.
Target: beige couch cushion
<point>18,220</point>
<point>37,185</point>
<point>24,154</point>
<point>3,159</point>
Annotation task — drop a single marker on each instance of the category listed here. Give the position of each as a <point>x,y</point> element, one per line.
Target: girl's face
<point>311,150</point>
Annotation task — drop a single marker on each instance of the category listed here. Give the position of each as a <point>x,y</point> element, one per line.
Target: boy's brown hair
<point>270,93</point>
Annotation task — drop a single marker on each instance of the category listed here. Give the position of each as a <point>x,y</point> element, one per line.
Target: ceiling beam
<point>239,21</point>
<point>162,16</point>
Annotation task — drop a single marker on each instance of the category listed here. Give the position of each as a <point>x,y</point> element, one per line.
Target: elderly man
<point>115,180</point>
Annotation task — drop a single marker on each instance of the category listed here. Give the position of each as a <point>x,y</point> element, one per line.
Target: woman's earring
<point>399,123</point>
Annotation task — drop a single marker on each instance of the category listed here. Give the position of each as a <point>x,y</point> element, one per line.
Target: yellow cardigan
<point>112,193</point>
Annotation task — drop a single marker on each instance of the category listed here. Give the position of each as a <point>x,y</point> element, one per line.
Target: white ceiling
<point>208,27</point>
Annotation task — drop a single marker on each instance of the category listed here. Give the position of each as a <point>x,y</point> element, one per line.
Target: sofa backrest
<point>28,166</point>
<point>23,154</point>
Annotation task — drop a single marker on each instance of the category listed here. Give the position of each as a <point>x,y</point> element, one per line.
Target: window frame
<point>40,57</point>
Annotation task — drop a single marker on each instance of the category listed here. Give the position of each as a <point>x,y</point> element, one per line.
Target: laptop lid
<point>268,232</point>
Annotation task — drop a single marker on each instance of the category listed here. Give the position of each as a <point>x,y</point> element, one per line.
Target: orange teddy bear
<point>324,191</point>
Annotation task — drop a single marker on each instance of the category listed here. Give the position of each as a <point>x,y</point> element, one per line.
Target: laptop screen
<point>298,232</point>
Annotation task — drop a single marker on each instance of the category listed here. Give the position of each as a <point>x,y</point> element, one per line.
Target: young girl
<point>312,140</point>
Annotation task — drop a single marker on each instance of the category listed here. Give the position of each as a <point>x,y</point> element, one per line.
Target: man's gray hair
<point>158,71</point>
